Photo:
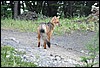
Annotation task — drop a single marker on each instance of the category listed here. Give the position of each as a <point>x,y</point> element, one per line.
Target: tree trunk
<point>12,8</point>
<point>15,9</point>
<point>71,8</point>
<point>18,7</point>
<point>52,8</point>
<point>65,9</point>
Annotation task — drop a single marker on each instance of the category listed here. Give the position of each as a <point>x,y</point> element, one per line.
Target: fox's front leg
<point>38,39</point>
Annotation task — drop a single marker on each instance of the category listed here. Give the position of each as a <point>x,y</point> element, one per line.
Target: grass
<point>9,58</point>
<point>21,25</point>
<point>31,26</point>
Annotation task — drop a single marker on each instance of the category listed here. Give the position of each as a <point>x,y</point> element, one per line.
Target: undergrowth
<point>31,26</point>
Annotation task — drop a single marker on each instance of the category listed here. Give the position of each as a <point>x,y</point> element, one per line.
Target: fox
<point>45,31</point>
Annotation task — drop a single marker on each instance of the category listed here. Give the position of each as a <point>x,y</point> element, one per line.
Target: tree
<point>48,8</point>
<point>16,9</point>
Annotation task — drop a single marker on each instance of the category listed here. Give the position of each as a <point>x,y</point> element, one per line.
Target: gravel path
<point>65,50</point>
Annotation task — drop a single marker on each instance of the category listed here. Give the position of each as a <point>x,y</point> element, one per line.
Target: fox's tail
<point>42,31</point>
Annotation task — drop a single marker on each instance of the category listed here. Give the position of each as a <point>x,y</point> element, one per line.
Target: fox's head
<point>55,21</point>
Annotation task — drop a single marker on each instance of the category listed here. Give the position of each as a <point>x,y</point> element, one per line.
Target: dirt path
<point>65,50</point>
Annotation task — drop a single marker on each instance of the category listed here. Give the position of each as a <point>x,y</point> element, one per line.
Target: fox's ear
<point>54,16</point>
<point>58,17</point>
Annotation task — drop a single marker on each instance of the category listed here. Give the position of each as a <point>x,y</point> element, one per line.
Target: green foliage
<point>4,12</point>
<point>93,51</point>
<point>9,58</point>
<point>51,8</point>
<point>31,26</point>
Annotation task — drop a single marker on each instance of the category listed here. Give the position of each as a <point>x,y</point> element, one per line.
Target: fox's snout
<point>59,24</point>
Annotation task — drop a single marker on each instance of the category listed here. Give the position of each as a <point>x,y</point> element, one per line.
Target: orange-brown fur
<point>48,30</point>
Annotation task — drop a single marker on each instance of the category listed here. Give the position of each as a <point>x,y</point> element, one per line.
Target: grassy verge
<point>21,25</point>
<point>31,26</point>
<point>9,58</point>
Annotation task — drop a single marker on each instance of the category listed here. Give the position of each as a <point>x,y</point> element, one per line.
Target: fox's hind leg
<point>44,45</point>
<point>38,39</point>
<point>49,36</point>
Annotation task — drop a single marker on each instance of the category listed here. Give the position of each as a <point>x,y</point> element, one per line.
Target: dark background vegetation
<point>66,9</point>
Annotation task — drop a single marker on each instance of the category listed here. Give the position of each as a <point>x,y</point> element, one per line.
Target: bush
<point>4,12</point>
